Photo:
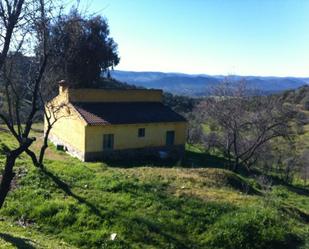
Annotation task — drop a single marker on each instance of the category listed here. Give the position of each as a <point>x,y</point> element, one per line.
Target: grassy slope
<point>14,236</point>
<point>82,204</point>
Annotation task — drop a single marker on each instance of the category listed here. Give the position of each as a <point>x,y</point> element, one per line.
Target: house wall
<point>126,136</point>
<point>69,131</point>
<point>100,95</point>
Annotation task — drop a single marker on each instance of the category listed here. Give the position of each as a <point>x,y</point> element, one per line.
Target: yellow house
<point>95,124</point>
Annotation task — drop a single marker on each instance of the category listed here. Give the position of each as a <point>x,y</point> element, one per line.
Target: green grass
<point>242,230</point>
<point>74,204</point>
<point>16,236</point>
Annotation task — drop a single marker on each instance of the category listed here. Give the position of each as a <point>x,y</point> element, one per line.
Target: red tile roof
<point>104,113</point>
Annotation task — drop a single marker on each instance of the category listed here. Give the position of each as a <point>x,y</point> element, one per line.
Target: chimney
<point>63,86</point>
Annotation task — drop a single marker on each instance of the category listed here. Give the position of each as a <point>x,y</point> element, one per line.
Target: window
<point>170,137</point>
<point>108,141</point>
<point>141,132</point>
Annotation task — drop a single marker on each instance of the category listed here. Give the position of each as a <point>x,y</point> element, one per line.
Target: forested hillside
<point>201,84</point>
<point>299,96</point>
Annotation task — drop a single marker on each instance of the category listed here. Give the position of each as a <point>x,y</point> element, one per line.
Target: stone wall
<point>67,147</point>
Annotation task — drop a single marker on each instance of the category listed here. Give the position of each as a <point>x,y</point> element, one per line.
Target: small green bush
<point>250,228</point>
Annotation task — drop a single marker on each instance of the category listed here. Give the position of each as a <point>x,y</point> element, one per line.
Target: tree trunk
<point>235,165</point>
<point>45,145</point>
<point>33,158</point>
<point>8,173</point>
<point>38,162</point>
<point>7,176</point>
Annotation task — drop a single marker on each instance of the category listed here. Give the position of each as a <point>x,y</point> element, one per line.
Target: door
<point>108,141</point>
<point>170,137</point>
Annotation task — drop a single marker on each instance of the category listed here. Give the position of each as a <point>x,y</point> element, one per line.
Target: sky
<point>216,37</point>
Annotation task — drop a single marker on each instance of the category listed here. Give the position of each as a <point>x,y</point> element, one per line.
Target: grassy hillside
<point>80,205</point>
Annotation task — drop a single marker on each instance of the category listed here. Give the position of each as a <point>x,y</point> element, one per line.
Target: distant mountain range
<point>200,85</point>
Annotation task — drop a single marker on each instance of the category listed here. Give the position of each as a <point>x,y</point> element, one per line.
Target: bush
<point>251,228</point>
<point>306,105</point>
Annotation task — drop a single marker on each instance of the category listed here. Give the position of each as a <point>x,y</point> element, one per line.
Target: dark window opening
<point>141,132</point>
<point>60,147</point>
<point>170,137</point>
<point>108,141</point>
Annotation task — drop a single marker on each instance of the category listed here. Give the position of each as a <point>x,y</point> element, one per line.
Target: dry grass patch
<point>207,184</point>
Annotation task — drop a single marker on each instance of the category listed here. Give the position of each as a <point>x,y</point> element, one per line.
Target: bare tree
<point>304,166</point>
<point>244,123</point>
<point>194,130</point>
<point>26,34</point>
<point>10,13</point>
<point>52,112</point>
<point>24,24</point>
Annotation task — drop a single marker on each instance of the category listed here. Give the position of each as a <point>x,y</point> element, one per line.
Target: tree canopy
<point>82,49</point>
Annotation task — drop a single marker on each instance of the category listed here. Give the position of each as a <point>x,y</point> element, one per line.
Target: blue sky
<point>245,37</point>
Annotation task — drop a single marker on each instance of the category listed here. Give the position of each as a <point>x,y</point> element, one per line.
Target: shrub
<point>306,105</point>
<point>251,228</point>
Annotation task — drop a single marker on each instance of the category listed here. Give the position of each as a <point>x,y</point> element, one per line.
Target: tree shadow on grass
<point>20,243</point>
<point>142,162</point>
<point>155,228</point>
<point>298,190</point>
<point>277,181</point>
<point>203,160</point>
<point>66,188</point>
<point>190,160</point>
